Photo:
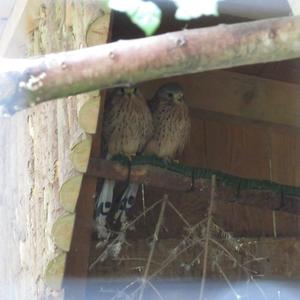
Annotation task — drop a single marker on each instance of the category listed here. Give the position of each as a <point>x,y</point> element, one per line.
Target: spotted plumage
<point>127,122</point>
<point>171,122</point>
<point>127,126</point>
<point>171,130</point>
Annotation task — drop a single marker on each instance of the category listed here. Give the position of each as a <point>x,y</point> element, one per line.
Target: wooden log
<point>98,29</point>
<point>62,231</point>
<point>161,178</point>
<point>78,256</point>
<point>69,193</point>
<point>88,115</point>
<point>45,136</point>
<point>54,273</point>
<point>80,154</point>
<point>190,51</point>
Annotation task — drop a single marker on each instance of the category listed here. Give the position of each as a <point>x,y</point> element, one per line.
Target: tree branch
<point>27,82</point>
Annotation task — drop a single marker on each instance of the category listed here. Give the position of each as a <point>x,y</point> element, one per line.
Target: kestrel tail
<point>171,131</point>
<point>127,126</point>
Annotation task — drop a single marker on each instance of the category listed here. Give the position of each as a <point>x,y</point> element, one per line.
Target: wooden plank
<point>225,138</point>
<point>162,178</point>
<point>282,261</point>
<point>237,218</point>
<point>212,116</point>
<point>285,71</point>
<point>239,95</point>
<point>285,157</point>
<point>78,256</point>
<point>245,96</point>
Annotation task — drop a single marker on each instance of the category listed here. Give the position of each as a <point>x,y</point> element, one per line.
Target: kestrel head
<point>171,91</point>
<point>127,91</point>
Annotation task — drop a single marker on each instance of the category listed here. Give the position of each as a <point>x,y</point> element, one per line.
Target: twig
<point>254,259</point>
<point>237,296</point>
<point>133,259</point>
<point>144,202</point>
<point>124,289</point>
<point>196,258</point>
<point>179,214</point>
<point>246,270</point>
<point>274,224</point>
<point>231,256</point>
<point>155,290</point>
<point>171,258</point>
<point>259,288</point>
<point>155,238</point>
<point>207,237</point>
<point>94,263</point>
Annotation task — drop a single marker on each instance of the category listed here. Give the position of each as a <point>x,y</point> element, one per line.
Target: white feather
<point>127,201</point>
<point>103,205</point>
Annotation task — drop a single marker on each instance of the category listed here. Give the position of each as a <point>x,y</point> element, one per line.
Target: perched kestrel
<point>127,126</point>
<point>171,132</point>
<point>171,122</point>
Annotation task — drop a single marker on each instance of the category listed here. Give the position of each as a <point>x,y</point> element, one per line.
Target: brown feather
<point>127,124</point>
<point>172,127</point>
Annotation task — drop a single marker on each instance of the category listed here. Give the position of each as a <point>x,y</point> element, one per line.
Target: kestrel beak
<point>130,91</point>
<point>178,97</point>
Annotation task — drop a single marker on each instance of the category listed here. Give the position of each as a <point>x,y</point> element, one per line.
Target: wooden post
<point>183,52</point>
<point>36,146</point>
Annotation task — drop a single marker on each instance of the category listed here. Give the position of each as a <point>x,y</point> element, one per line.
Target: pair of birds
<point>133,125</point>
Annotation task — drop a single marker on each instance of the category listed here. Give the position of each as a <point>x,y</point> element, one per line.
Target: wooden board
<point>248,138</point>
<point>275,265</point>
<point>239,95</point>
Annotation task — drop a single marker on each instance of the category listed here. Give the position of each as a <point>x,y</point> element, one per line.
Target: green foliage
<point>191,9</point>
<point>147,15</point>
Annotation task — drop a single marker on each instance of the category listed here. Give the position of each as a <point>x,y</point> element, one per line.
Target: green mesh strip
<point>227,179</point>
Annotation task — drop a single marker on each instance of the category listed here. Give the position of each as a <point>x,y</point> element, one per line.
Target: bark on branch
<point>161,178</point>
<point>27,82</point>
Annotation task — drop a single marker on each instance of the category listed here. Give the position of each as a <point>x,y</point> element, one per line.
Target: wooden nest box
<point>245,135</point>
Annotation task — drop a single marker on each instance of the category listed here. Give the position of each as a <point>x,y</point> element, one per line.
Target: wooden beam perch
<point>162,178</point>
<point>27,82</point>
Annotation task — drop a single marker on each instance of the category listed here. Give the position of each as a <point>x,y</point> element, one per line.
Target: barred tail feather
<point>127,201</point>
<point>103,205</point>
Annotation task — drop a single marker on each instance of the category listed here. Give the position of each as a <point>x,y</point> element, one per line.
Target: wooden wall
<point>245,122</point>
<point>241,124</point>
<point>36,144</point>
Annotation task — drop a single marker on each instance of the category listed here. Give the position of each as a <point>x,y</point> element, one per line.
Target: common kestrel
<point>171,131</point>
<point>127,126</point>
<point>171,122</point>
